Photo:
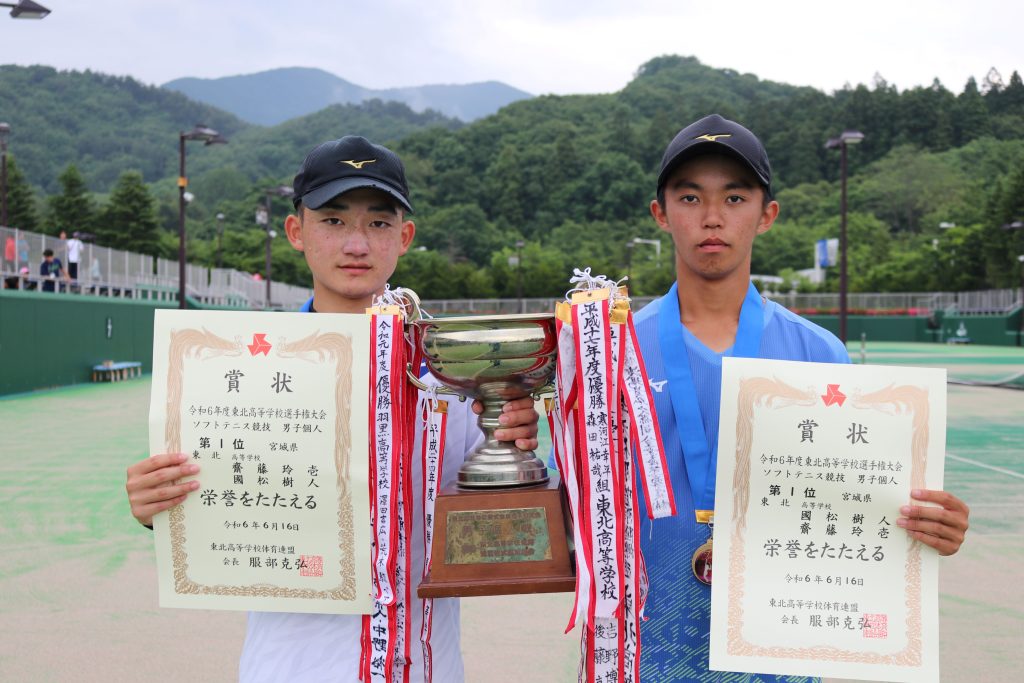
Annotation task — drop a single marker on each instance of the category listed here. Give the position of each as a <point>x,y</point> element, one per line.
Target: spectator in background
<point>22,251</point>
<point>10,253</point>
<point>19,281</point>
<point>73,248</point>
<point>50,269</point>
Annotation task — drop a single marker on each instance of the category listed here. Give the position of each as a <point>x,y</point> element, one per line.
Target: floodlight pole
<point>1020,328</point>
<point>268,264</point>
<point>1018,225</point>
<point>209,137</point>
<point>843,281</point>
<point>269,193</point>
<point>848,137</point>
<point>220,239</point>
<point>519,275</point>
<point>182,184</point>
<point>4,130</point>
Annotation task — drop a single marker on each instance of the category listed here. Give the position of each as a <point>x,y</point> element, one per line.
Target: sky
<point>540,46</point>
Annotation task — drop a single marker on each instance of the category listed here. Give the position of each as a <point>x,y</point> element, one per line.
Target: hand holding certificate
<point>813,574</point>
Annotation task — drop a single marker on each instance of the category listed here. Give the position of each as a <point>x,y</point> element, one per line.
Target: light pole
<point>220,238</point>
<point>1020,328</point>
<point>1018,225</point>
<point>263,218</point>
<point>845,139</point>
<point>4,130</point>
<point>209,137</point>
<point>519,275</point>
<point>26,9</point>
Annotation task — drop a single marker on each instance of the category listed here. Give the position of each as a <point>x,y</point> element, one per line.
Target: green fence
<point>992,330</point>
<point>49,340</point>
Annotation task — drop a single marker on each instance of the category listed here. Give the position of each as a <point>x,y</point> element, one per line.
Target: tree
<point>993,82</point>
<point>970,117</point>
<point>1002,246</point>
<point>21,201</point>
<point>73,209</point>
<point>462,232</point>
<point>129,217</point>
<point>906,185</point>
<point>431,275</point>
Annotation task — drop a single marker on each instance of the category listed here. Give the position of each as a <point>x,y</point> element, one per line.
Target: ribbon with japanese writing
<point>435,419</point>
<point>386,641</point>
<point>387,377</point>
<point>566,453</point>
<point>605,414</point>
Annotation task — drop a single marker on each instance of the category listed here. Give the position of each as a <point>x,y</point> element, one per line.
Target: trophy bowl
<point>494,359</point>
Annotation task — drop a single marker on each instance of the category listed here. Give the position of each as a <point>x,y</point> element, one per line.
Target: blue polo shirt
<point>676,636</point>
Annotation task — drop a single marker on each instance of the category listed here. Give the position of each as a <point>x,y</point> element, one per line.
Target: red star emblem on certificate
<point>833,395</point>
<point>259,345</point>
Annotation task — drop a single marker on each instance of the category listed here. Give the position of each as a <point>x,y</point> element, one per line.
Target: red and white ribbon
<point>435,419</point>
<point>629,624</point>
<point>385,448</point>
<point>603,413</point>
<point>564,437</point>
<point>384,644</point>
<point>646,434</point>
<point>598,481</point>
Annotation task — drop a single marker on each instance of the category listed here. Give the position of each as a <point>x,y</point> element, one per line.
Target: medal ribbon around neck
<point>698,455</point>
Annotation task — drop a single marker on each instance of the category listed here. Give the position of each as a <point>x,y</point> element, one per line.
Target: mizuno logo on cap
<point>713,138</point>
<point>356,164</point>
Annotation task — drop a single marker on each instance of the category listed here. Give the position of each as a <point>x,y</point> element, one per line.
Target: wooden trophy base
<point>500,542</point>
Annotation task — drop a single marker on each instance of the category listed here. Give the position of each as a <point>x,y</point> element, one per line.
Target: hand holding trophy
<point>504,528</point>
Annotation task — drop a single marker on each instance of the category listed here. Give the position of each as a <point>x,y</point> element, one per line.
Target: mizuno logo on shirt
<point>658,386</point>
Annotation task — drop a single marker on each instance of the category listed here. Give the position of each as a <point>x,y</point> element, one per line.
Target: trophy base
<point>506,542</point>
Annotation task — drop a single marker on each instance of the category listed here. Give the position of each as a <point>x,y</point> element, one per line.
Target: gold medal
<point>701,561</point>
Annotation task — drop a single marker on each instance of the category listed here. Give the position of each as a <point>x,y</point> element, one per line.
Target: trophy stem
<point>499,464</point>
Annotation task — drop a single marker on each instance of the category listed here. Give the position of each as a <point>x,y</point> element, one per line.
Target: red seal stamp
<point>311,565</point>
<point>876,626</point>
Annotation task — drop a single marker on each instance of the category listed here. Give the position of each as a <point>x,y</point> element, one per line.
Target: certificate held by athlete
<point>274,410</point>
<point>812,576</point>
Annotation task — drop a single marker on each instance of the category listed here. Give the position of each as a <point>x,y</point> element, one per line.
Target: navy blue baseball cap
<point>716,135</point>
<point>347,164</point>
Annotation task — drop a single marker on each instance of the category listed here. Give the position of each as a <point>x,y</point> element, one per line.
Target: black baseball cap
<point>347,164</point>
<point>716,135</point>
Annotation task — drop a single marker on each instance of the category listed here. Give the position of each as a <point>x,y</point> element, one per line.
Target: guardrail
<point>110,272</point>
<point>920,304</point>
<point>103,271</point>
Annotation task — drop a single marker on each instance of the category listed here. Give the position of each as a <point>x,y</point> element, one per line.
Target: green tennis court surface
<point>78,583</point>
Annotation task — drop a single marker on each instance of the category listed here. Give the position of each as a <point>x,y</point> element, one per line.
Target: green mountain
<point>108,124</point>
<point>272,97</point>
<point>572,177</point>
<point>104,124</point>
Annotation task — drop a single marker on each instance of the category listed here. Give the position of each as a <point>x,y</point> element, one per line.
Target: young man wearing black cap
<point>714,196</point>
<point>351,199</point>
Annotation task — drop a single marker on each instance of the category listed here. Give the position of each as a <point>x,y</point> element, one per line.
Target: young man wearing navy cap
<point>351,201</point>
<point>714,196</point>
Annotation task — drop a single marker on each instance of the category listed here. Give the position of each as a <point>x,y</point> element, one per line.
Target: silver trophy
<point>494,359</point>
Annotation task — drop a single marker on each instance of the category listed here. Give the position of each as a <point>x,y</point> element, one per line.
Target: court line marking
<point>1011,473</point>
